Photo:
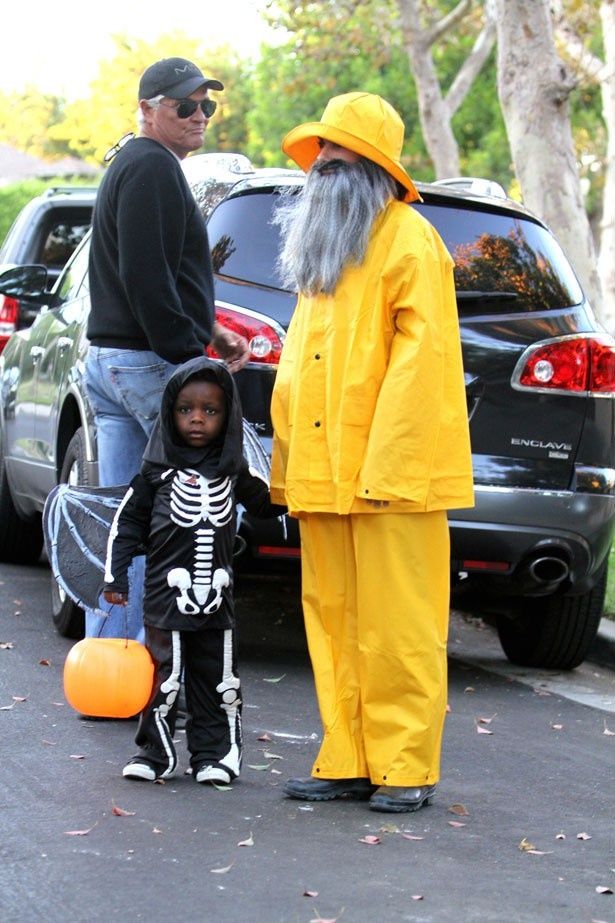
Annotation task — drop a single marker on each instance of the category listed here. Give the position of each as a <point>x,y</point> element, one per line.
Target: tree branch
<point>448,22</point>
<point>473,64</point>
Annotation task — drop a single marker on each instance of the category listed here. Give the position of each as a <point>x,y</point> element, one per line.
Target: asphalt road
<point>521,830</point>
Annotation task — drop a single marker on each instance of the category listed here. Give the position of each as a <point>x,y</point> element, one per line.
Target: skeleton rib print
<point>194,499</point>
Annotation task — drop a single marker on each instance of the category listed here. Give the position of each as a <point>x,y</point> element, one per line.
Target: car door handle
<point>64,343</point>
<point>36,352</point>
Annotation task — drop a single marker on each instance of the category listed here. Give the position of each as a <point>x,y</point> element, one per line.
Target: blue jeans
<point>125,388</point>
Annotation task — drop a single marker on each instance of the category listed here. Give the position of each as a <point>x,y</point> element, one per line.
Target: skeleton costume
<point>180,511</point>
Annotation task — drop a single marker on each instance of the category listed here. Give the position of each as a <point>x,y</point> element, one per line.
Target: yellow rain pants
<point>375,592</point>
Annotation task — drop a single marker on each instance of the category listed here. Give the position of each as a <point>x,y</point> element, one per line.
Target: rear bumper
<point>498,542</point>
<point>516,527</point>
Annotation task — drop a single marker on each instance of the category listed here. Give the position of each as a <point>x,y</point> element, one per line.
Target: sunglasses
<point>187,107</point>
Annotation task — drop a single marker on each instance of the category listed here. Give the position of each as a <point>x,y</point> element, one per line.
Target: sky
<point>57,46</point>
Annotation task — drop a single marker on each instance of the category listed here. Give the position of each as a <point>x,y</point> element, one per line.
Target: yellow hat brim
<point>301,145</point>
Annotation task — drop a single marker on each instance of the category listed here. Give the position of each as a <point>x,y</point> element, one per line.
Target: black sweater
<point>151,282</point>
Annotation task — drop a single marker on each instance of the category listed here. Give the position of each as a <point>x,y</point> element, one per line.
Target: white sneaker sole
<point>145,773</point>
<point>213,774</point>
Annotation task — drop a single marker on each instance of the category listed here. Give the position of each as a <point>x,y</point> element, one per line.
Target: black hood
<point>221,458</point>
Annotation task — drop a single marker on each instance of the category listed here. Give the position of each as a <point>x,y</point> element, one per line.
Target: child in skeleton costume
<point>180,509</point>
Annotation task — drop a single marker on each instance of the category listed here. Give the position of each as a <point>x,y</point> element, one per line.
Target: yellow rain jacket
<point>369,399</point>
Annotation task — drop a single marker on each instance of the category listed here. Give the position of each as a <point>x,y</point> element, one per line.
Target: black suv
<point>46,231</point>
<point>540,383</point>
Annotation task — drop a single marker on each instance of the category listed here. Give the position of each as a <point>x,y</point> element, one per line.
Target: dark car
<point>46,231</point>
<point>540,383</point>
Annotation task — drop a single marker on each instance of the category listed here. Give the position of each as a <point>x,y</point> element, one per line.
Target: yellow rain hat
<point>361,122</point>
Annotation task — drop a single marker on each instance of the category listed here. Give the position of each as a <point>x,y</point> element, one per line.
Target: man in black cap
<point>151,284</point>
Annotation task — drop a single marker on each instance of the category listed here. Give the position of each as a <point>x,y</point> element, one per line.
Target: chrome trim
<point>535,389</point>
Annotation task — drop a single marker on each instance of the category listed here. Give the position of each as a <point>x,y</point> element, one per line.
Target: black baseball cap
<point>175,78</point>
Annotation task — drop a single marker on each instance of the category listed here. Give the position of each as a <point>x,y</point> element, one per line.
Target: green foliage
<point>331,48</point>
<point>91,126</point>
<point>326,47</point>
<point>609,604</point>
<point>14,196</point>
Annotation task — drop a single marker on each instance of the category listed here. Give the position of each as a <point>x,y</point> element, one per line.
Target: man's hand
<point>115,599</point>
<point>231,347</point>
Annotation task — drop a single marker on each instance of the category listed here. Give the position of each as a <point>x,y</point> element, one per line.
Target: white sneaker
<point>212,772</point>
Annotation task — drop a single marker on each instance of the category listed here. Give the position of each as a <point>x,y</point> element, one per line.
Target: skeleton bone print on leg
<point>229,690</point>
<point>195,499</point>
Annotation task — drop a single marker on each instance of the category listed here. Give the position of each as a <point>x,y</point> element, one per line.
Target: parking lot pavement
<point>520,830</point>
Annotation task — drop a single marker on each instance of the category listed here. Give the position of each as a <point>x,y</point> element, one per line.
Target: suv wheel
<point>555,632</point>
<point>21,540</point>
<point>68,617</point>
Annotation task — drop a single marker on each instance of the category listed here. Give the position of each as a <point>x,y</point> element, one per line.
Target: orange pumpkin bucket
<point>108,677</point>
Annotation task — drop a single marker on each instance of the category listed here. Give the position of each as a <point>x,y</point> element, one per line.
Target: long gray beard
<point>327,226</point>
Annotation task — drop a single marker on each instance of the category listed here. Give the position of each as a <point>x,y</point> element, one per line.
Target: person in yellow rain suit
<point>371,448</point>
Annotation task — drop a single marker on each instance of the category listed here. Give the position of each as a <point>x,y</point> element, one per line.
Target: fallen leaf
<point>156,830</point>
<point>370,840</point>
<point>6,645</point>
<point>560,836</point>
<point>324,920</point>
<point>259,766</point>
<point>481,730</point>
<point>607,732</point>
<point>120,812</point>
<point>77,756</point>
<point>80,832</point>
<point>469,689</point>
<point>448,709</point>
<point>271,756</point>
<point>264,736</point>
<point>221,787</point>
<point>389,828</point>
<point>223,870</point>
<point>417,897</point>
<point>538,852</point>
<point>248,842</point>
<point>602,889</point>
<point>277,772</point>
<point>310,893</point>
<point>411,836</point>
<point>557,727</point>
<point>49,743</point>
<point>460,810</point>
<point>487,720</point>
<point>525,845</point>
<point>19,698</point>
<point>583,836</point>
<point>44,662</point>
<point>7,707</point>
<point>273,679</point>
<point>456,823</point>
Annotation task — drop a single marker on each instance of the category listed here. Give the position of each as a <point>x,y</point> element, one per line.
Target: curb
<point>602,650</point>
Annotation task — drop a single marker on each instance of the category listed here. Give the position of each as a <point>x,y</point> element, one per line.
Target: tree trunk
<point>534,86</point>
<point>433,112</point>
<point>606,261</point>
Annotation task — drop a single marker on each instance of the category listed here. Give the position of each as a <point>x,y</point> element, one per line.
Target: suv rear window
<point>506,254</point>
<point>503,262</point>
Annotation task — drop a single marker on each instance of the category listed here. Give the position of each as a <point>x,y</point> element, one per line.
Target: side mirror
<point>25,282</point>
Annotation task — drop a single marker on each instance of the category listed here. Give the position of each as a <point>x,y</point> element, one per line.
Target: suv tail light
<point>9,316</point>
<point>583,365</point>
<point>264,335</point>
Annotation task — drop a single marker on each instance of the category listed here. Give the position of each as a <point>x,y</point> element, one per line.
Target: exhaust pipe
<point>548,569</point>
